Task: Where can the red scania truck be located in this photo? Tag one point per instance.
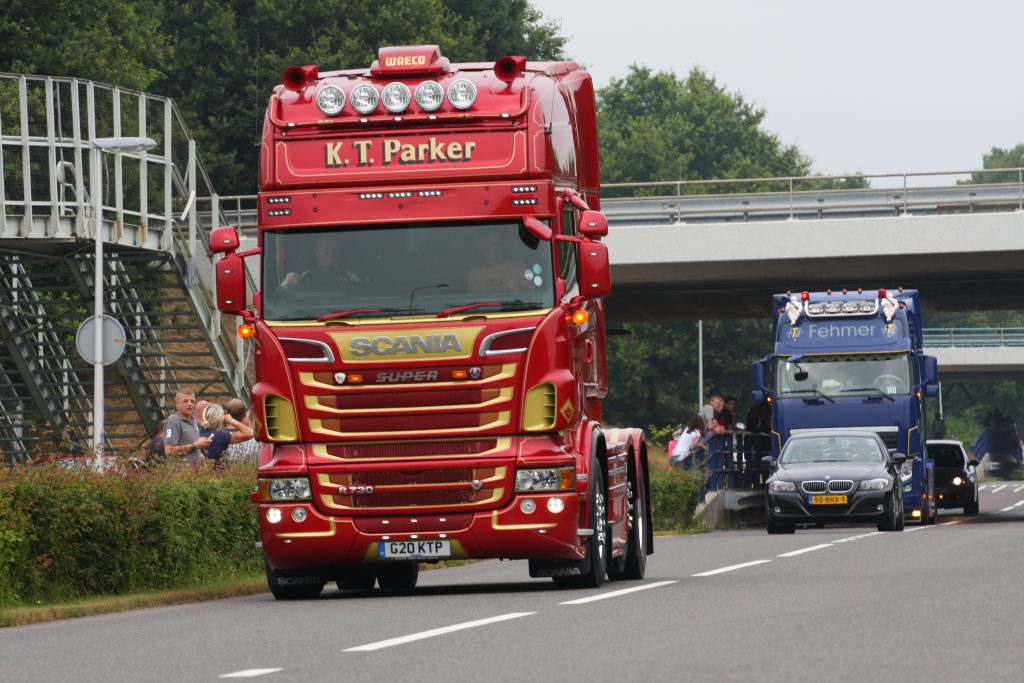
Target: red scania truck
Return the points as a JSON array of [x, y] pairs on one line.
[[429, 335]]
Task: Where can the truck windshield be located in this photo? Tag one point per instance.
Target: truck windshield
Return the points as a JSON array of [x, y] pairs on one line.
[[405, 269], [844, 375]]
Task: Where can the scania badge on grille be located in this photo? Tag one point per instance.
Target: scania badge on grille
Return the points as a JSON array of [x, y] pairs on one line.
[[340, 377]]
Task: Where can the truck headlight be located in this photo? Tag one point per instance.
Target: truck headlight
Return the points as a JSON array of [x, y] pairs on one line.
[[879, 484], [907, 470], [546, 479], [776, 486], [284, 489], [957, 481]]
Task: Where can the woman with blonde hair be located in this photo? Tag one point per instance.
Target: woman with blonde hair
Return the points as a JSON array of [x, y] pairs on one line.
[[216, 425]]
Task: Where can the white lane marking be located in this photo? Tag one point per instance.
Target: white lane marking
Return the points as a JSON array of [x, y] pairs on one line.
[[1018, 503], [1015, 505], [1019, 489], [249, 673], [422, 635], [955, 521], [806, 550], [1007, 508], [844, 540], [731, 568], [999, 488], [615, 594], [982, 487]]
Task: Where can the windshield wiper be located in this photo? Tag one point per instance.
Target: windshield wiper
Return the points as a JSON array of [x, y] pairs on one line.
[[467, 307], [822, 394], [875, 389], [355, 311]]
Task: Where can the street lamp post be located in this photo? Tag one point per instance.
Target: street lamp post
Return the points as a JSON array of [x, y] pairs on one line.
[[117, 145]]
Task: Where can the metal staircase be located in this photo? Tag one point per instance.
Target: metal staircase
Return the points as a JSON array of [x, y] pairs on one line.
[[158, 272]]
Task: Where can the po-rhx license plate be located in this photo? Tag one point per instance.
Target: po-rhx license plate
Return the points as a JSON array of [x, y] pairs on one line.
[[827, 500], [414, 550]]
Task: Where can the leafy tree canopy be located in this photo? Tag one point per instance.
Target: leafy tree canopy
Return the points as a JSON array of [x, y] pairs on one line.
[[219, 59], [1001, 158]]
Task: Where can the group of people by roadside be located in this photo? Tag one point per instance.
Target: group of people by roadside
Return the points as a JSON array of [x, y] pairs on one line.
[[699, 445], [201, 432]]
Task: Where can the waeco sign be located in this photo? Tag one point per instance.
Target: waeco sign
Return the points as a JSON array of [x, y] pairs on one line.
[[363, 159]]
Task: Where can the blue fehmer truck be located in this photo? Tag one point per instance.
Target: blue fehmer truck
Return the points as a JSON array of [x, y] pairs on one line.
[[853, 359]]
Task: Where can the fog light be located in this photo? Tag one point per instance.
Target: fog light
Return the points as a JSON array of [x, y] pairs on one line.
[[880, 507], [299, 514], [915, 514], [777, 509], [527, 506], [555, 505], [274, 515]]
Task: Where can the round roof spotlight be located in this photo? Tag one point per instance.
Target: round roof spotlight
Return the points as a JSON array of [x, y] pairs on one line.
[[462, 94], [364, 98], [429, 95], [396, 97], [331, 100]]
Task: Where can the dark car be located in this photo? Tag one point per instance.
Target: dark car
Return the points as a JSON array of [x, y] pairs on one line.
[[956, 478], [837, 476]]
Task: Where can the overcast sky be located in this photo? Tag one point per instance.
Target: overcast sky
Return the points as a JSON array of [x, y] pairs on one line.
[[872, 86]]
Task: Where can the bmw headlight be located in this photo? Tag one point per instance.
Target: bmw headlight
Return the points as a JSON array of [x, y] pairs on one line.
[[957, 481], [546, 479], [284, 489], [776, 486], [879, 484], [907, 470], [331, 100]]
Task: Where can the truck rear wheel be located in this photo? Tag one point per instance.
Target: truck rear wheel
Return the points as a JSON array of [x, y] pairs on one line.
[[286, 585], [636, 549], [398, 576], [595, 566]]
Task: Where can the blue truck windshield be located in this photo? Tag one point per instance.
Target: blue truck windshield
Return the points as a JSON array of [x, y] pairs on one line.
[[844, 375], [405, 269]]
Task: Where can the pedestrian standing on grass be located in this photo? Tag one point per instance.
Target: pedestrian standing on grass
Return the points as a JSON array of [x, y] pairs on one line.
[[181, 436]]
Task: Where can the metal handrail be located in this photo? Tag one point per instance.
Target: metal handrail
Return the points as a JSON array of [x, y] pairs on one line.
[[944, 337]]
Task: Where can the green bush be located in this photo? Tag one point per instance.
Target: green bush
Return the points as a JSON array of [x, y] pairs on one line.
[[674, 495], [67, 535]]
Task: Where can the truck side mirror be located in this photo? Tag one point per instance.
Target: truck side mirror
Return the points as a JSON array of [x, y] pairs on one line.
[[593, 224], [931, 376], [223, 240], [898, 458], [595, 270], [231, 284]]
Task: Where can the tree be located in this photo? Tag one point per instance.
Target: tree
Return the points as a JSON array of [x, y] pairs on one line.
[[1001, 158], [114, 41], [653, 127]]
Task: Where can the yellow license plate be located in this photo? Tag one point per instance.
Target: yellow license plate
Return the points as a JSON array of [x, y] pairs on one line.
[[828, 500]]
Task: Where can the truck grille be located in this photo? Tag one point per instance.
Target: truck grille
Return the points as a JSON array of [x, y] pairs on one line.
[[458, 487], [404, 450], [378, 409]]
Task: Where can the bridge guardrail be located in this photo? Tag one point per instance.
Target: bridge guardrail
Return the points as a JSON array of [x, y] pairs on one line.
[[976, 337]]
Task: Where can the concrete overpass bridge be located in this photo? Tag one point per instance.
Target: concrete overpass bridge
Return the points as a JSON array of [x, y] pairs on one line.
[[681, 250], [979, 354]]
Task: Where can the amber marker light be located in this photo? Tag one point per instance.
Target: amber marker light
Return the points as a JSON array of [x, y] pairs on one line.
[[580, 317], [355, 378], [460, 374], [246, 331]]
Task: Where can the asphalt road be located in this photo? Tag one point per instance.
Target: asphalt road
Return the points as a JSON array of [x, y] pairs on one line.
[[939, 603]]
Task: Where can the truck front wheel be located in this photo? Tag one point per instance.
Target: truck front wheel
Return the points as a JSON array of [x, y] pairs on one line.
[[594, 567]]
